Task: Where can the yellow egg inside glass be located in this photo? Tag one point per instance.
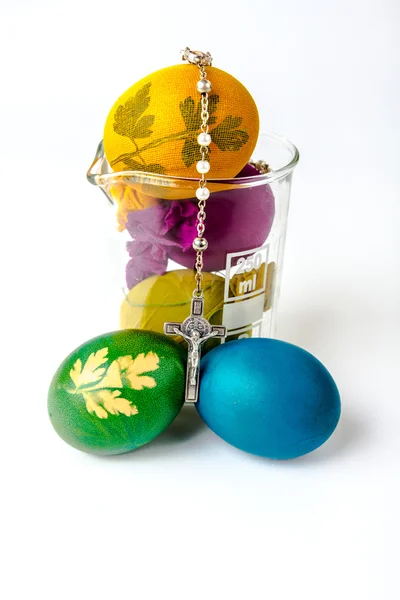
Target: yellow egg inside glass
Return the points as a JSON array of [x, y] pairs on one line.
[[162, 298], [154, 125]]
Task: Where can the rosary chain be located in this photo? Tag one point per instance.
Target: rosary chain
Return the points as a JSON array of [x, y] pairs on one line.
[[201, 215], [200, 244]]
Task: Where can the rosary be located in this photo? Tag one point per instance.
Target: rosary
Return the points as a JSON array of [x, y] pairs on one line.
[[120, 390], [196, 329]]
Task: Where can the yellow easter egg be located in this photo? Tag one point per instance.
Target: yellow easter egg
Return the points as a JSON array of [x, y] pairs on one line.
[[153, 126], [161, 298]]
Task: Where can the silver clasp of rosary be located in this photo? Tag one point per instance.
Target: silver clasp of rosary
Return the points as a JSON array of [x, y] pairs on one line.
[[196, 57]]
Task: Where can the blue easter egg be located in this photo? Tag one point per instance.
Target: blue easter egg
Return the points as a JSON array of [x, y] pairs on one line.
[[268, 397]]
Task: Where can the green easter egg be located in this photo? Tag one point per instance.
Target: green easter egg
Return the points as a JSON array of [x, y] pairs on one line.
[[117, 391]]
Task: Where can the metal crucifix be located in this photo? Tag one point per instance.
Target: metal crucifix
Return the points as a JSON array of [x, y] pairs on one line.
[[195, 330]]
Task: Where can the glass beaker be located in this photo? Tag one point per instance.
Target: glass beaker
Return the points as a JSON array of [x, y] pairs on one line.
[[245, 228]]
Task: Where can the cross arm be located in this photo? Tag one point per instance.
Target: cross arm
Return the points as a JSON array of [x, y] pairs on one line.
[[169, 328], [219, 331]]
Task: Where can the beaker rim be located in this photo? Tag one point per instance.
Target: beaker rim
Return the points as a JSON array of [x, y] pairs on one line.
[[101, 174]]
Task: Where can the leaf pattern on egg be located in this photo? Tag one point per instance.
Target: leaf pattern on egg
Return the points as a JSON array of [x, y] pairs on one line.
[[100, 385]]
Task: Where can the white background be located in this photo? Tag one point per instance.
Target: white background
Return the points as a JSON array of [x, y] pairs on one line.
[[189, 516]]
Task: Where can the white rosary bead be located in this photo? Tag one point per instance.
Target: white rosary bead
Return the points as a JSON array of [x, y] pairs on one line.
[[204, 139], [204, 86], [200, 244], [203, 166], [202, 193]]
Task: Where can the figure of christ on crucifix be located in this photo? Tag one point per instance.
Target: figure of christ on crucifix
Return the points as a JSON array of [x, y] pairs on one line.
[[194, 341], [195, 330]]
